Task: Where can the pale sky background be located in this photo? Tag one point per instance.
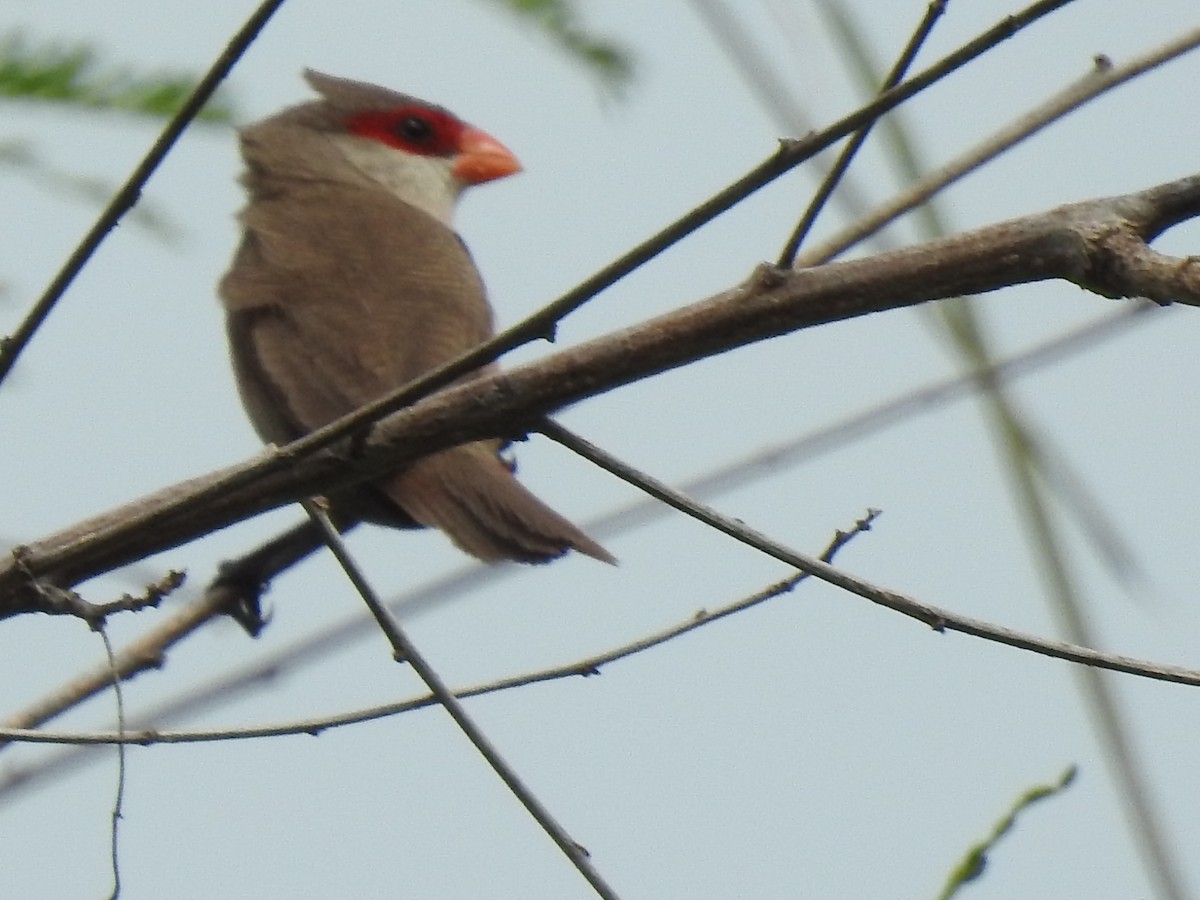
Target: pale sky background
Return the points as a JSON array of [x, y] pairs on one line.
[[817, 746]]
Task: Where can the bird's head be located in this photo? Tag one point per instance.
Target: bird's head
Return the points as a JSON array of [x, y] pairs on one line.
[[418, 151]]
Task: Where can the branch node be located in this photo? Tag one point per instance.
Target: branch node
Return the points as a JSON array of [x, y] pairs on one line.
[[767, 276], [151, 597]]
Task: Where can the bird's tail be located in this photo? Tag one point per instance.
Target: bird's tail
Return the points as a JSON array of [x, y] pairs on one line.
[[470, 494]]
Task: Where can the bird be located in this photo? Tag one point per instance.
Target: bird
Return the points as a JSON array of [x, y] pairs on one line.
[[350, 281]]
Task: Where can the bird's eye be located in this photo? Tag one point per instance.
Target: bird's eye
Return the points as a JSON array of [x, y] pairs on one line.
[[414, 128]]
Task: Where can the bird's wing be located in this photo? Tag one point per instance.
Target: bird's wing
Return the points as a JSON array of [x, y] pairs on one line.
[[332, 304], [339, 295]]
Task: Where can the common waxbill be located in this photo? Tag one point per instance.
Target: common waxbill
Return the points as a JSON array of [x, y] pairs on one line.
[[350, 281]]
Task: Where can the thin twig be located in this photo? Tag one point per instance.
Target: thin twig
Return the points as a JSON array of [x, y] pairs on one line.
[[1101, 245], [130, 191], [405, 651], [585, 667], [1101, 79], [935, 617], [144, 654], [119, 698], [1145, 824], [147, 652], [924, 28], [543, 323], [751, 61], [767, 305], [150, 649]]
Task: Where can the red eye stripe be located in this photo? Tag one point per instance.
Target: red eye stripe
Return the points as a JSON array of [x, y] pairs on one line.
[[415, 129]]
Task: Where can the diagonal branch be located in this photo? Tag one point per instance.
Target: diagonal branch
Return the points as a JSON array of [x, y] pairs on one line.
[[131, 191], [937, 618], [1099, 245], [249, 573], [543, 323]]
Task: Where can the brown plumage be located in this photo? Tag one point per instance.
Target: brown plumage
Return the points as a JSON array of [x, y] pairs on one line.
[[350, 281]]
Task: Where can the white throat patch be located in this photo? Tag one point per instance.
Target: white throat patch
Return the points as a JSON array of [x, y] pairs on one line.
[[425, 182]]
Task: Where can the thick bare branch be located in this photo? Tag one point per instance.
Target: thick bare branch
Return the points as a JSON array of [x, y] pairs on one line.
[[1100, 245]]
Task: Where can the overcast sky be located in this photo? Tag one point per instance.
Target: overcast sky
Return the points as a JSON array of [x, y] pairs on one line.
[[816, 746]]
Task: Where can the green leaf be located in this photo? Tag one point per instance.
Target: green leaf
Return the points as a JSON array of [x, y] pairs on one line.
[[73, 74], [975, 860]]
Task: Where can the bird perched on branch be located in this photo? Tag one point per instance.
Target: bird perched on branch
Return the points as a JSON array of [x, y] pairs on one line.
[[350, 281]]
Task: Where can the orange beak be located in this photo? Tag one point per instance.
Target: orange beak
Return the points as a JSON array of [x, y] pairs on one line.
[[482, 158]]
